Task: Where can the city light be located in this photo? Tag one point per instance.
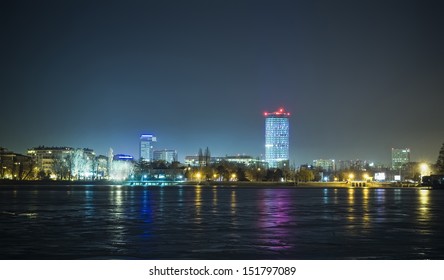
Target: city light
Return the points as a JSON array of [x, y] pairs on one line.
[[365, 177]]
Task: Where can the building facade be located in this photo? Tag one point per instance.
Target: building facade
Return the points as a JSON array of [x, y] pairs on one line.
[[325, 164], [64, 162], [277, 138], [147, 147], [46, 157], [165, 155], [400, 157]]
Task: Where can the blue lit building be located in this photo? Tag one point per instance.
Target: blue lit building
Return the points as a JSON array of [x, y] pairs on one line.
[[147, 147], [277, 138]]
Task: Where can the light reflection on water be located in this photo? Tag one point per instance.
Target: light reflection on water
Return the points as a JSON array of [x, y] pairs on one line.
[[423, 206], [351, 201], [214, 222], [366, 217]]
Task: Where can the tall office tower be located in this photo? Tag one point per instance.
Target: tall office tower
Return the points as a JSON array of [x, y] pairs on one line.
[[147, 147], [277, 138], [400, 157]]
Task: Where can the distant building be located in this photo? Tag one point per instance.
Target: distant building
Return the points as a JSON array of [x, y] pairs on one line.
[[245, 160], [400, 157], [277, 138], [147, 147], [45, 157], [122, 157], [64, 162], [325, 164], [15, 166], [165, 155], [196, 160], [355, 164]]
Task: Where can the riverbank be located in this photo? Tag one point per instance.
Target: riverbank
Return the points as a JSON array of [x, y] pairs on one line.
[[207, 183]]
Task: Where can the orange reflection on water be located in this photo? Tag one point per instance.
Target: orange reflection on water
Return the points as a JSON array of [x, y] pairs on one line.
[[214, 199], [351, 201], [365, 206], [233, 202], [198, 202]]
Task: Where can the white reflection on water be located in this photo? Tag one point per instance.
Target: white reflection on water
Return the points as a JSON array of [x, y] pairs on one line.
[[117, 215], [117, 202], [380, 195], [398, 195], [325, 196], [89, 205]]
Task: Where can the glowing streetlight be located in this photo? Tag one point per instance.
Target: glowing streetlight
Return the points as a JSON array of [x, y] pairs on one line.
[[425, 170], [198, 176], [351, 176], [365, 176], [233, 176]]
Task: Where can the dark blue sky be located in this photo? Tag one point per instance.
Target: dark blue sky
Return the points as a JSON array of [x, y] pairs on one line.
[[359, 77]]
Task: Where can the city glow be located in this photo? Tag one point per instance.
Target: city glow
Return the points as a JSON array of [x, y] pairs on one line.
[[425, 170]]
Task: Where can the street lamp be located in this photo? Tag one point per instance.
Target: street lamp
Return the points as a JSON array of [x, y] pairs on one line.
[[425, 170], [351, 176], [365, 176], [233, 176]]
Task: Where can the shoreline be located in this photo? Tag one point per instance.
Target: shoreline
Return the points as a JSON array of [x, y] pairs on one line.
[[210, 184]]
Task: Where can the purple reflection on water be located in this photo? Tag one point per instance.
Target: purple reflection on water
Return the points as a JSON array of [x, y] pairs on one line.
[[274, 219]]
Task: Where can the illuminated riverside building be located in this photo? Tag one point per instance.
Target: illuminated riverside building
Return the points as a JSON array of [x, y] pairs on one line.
[[400, 157], [44, 157], [277, 138], [147, 147]]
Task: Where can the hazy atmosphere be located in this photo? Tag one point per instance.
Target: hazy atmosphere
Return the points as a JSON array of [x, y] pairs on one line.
[[359, 77]]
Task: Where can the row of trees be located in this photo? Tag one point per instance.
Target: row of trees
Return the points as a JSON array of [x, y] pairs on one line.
[[80, 165]]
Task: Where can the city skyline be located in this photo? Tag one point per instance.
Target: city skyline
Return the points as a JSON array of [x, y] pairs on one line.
[[360, 78]]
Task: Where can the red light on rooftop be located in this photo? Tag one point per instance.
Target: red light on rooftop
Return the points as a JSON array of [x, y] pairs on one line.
[[280, 112]]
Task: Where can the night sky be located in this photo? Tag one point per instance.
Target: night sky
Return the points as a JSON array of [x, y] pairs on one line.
[[359, 77]]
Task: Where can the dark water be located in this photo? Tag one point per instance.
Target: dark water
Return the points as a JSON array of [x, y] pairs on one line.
[[110, 222]]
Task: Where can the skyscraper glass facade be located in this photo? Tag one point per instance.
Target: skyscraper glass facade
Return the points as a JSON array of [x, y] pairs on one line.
[[277, 138], [147, 146], [400, 157]]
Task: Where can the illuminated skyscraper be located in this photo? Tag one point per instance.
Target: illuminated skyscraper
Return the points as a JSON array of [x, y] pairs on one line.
[[147, 147], [400, 157], [277, 138]]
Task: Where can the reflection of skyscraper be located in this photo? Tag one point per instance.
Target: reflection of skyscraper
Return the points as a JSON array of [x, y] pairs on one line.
[[277, 138], [400, 157], [147, 146]]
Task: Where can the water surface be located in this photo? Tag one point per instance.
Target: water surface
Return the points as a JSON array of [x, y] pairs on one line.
[[206, 222]]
